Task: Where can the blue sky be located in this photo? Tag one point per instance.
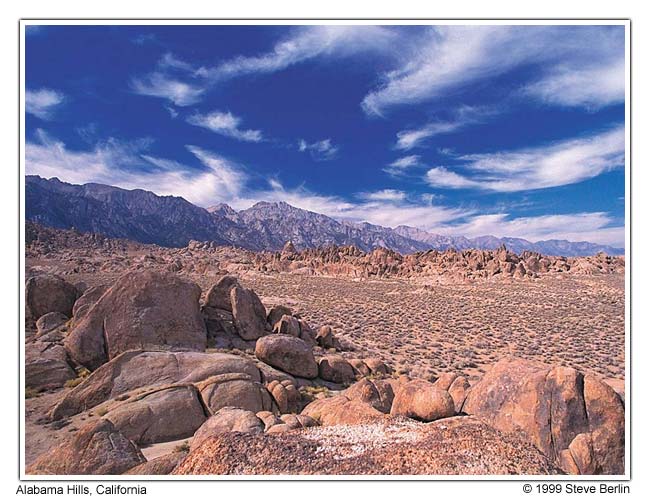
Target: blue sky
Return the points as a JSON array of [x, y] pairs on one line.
[[465, 130]]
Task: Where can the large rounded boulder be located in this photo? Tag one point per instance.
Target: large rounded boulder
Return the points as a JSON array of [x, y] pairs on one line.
[[377, 393], [421, 400], [159, 415], [287, 353], [227, 419], [218, 296], [142, 310], [46, 366], [48, 293], [572, 418], [237, 390], [339, 410], [248, 313]]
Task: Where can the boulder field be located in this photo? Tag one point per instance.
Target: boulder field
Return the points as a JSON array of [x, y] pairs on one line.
[[248, 390]]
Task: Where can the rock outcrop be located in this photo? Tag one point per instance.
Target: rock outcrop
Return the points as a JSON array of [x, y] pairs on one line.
[[377, 393], [287, 353], [459, 445], [159, 415], [46, 366], [238, 390], [137, 369], [227, 419], [423, 401], [45, 294], [340, 410], [142, 310], [552, 407], [98, 448]]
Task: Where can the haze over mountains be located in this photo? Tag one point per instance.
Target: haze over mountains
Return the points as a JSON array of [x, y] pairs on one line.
[[172, 221]]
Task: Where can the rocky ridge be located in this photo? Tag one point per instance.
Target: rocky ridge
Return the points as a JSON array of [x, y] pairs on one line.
[[95, 253]]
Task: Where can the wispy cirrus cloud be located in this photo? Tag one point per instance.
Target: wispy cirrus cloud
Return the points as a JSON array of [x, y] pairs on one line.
[[159, 84], [383, 195], [319, 150], [302, 44], [557, 164], [227, 124], [400, 166], [129, 165], [591, 87], [184, 84], [595, 227], [462, 117], [43, 103], [449, 58]]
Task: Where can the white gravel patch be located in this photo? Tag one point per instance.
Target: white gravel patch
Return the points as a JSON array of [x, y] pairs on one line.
[[349, 441]]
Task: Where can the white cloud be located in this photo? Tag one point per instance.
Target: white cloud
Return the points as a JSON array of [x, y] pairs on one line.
[[125, 165], [595, 227], [387, 208], [159, 84], [319, 150], [383, 195], [406, 161], [400, 166], [559, 164], [463, 117], [448, 58], [590, 87], [172, 112], [184, 84], [43, 102], [441, 177], [225, 124], [305, 43]]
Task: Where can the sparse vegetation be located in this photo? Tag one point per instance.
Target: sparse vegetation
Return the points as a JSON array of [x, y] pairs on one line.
[[73, 382], [310, 393], [183, 447], [30, 392]]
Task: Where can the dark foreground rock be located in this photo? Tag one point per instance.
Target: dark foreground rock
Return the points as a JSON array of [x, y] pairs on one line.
[[135, 369], [459, 445], [159, 466], [46, 294], [551, 407], [142, 310], [98, 448], [46, 366]]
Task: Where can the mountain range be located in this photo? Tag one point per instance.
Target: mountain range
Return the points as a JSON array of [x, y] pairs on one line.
[[173, 221]]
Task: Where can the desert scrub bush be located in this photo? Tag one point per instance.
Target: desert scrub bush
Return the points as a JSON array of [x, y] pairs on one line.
[[82, 374], [30, 392], [73, 382], [311, 393], [183, 447], [102, 411]]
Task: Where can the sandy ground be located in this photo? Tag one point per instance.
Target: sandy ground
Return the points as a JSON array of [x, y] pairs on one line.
[[576, 321]]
